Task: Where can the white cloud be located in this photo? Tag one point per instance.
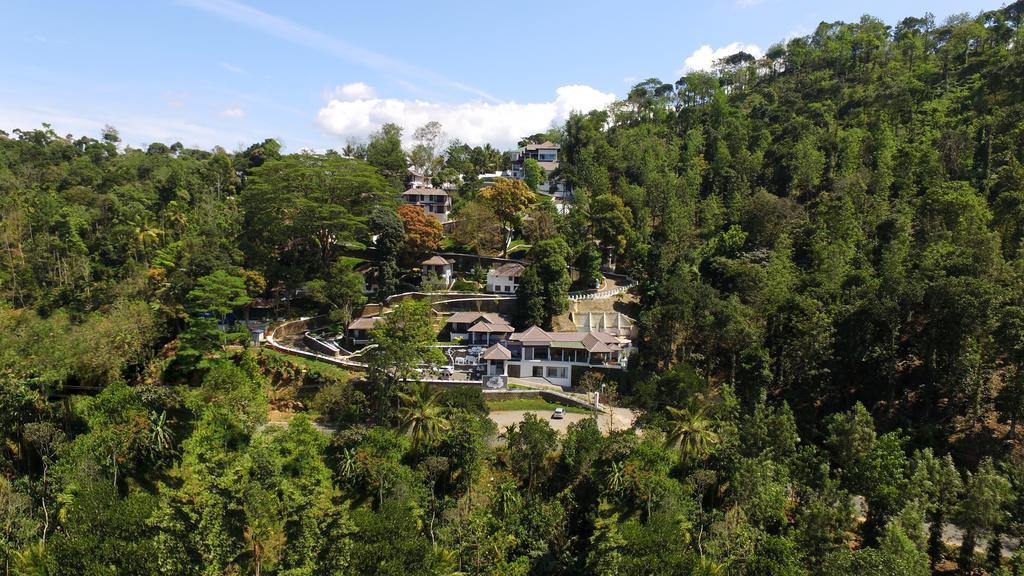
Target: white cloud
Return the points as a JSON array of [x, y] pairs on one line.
[[353, 91], [704, 58], [474, 123], [300, 35], [233, 69], [746, 3], [233, 113]]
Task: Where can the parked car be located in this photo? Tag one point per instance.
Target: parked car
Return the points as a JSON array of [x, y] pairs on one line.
[[558, 414]]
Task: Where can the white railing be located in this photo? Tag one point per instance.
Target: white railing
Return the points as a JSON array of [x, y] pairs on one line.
[[600, 294]]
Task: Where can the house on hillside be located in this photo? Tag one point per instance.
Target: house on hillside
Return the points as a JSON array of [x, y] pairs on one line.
[[480, 328], [546, 154], [443, 267], [504, 279], [433, 201], [536, 353], [358, 331], [369, 274]]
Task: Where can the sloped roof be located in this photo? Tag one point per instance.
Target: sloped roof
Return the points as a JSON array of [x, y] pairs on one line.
[[542, 146], [597, 342], [509, 269], [491, 327], [532, 334], [471, 317], [436, 260], [424, 192], [496, 352], [364, 323]]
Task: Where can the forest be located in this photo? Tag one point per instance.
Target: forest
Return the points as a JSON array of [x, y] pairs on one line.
[[828, 246]]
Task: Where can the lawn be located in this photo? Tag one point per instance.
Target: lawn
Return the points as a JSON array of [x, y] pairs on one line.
[[329, 370], [538, 404]]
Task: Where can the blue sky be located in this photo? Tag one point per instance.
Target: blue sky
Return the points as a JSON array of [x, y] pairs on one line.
[[315, 74]]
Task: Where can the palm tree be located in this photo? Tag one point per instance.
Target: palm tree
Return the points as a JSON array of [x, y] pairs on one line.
[[146, 234], [422, 416], [691, 431]]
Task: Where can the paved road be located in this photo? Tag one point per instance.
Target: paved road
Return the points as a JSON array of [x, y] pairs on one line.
[[621, 419]]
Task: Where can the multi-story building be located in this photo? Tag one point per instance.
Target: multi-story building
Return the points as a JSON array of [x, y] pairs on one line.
[[433, 201], [504, 279], [536, 353], [546, 154]]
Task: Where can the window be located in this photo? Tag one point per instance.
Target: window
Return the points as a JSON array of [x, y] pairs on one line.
[[538, 371], [557, 372]]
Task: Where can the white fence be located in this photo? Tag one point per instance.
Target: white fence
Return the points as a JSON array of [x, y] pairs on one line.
[[600, 294]]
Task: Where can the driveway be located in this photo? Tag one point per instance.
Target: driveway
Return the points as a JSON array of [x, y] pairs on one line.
[[621, 419]]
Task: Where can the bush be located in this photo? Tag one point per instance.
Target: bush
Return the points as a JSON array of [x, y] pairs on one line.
[[340, 404], [461, 285]]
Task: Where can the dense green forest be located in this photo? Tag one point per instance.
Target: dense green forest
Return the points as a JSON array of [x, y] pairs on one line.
[[829, 248]]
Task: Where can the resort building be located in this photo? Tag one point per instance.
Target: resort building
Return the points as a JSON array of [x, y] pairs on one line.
[[505, 278], [536, 353], [443, 267], [478, 328], [433, 201], [358, 331]]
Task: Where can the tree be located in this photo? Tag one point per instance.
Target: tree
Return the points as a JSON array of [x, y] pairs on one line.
[[423, 232], [529, 444], [384, 152], [983, 508], [399, 345], [425, 154], [544, 287], [509, 199], [691, 431], [534, 175], [612, 223], [422, 416], [478, 228], [390, 233], [218, 294], [341, 289], [308, 203]]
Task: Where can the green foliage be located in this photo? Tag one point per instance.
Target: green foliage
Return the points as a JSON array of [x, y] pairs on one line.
[[544, 286]]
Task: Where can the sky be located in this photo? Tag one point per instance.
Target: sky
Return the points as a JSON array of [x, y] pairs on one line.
[[316, 75]]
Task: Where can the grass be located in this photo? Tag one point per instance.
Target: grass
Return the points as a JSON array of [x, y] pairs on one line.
[[536, 404], [329, 370]]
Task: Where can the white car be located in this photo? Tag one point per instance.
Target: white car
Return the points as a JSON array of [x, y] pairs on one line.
[[558, 414]]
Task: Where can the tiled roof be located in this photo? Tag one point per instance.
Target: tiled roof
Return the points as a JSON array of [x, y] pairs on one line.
[[509, 269], [436, 260], [496, 352], [491, 327], [542, 146], [424, 192], [365, 323], [471, 317], [591, 341]]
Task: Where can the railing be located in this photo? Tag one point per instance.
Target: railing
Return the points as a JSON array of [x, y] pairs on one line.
[[600, 294]]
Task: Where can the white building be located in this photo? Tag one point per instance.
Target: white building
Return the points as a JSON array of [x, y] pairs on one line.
[[546, 154], [551, 356], [433, 201], [504, 279], [443, 267]]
